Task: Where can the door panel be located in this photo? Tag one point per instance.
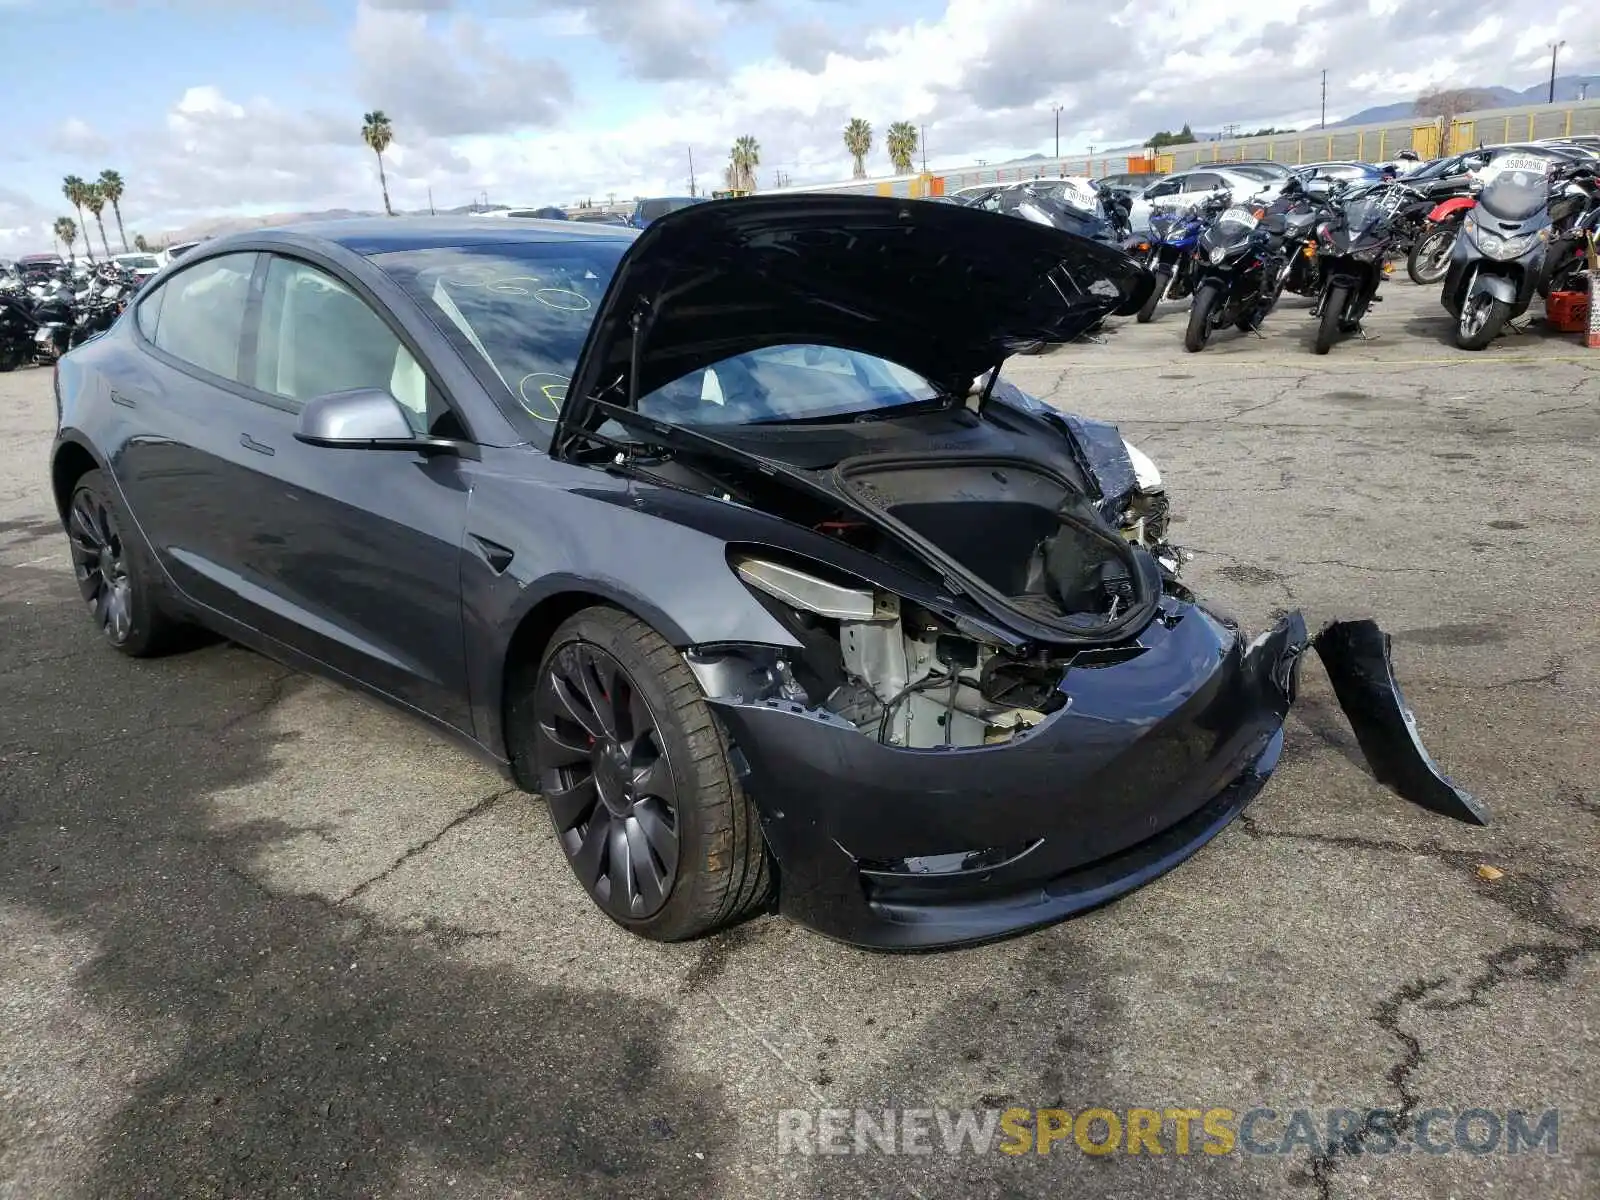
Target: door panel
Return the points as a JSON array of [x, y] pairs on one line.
[[351, 556], [172, 472]]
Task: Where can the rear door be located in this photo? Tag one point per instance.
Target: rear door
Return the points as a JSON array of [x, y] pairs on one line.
[[353, 556], [182, 387]]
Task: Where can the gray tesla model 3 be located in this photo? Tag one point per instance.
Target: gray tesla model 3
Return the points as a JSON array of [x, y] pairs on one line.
[[726, 538]]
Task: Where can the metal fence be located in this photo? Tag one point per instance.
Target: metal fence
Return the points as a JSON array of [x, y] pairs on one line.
[[1381, 142], [1362, 143]]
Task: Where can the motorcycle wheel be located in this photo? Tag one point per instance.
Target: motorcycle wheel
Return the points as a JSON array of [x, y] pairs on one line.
[[1430, 256], [1206, 297], [1328, 324], [1482, 317], [1163, 278]]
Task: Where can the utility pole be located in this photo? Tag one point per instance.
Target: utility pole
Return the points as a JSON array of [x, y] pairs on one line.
[[1324, 123], [1555, 49], [431, 213], [1058, 130], [922, 140], [691, 171]]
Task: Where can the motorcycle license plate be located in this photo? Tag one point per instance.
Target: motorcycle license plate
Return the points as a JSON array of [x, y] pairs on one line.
[[1520, 162], [43, 335], [1237, 216]]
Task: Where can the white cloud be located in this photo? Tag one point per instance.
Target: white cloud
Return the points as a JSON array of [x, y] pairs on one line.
[[473, 114]]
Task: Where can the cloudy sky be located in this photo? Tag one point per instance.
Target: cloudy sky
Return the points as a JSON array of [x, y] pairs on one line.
[[253, 106]]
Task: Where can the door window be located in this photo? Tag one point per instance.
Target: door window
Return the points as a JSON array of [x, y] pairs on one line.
[[317, 337], [1168, 188], [198, 314], [1202, 182]]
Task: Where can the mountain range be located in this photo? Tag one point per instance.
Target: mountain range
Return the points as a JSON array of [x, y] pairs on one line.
[[1568, 87]]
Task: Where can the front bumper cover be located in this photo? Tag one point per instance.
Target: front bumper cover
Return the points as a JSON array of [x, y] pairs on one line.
[[1148, 760]]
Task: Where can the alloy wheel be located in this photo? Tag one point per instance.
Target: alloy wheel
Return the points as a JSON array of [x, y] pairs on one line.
[[608, 780], [99, 563], [1474, 313]]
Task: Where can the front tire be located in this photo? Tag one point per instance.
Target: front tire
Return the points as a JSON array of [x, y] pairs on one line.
[[1331, 319], [118, 579], [1482, 317], [635, 771], [1206, 297], [1429, 259], [1163, 279]]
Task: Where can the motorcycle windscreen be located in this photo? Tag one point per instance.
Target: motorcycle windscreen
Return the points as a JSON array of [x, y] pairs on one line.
[[1518, 190]]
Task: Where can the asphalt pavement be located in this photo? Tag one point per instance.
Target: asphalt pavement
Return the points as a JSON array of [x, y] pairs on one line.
[[260, 936]]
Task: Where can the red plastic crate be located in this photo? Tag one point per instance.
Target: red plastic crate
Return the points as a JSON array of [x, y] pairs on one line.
[[1568, 312]]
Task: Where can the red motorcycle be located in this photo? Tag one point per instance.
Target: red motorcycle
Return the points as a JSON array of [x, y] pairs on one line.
[[1430, 252]]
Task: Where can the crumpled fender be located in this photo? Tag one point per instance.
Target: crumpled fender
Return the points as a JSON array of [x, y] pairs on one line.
[[1356, 655]]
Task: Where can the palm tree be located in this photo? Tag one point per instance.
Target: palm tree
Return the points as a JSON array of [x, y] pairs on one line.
[[140, 243], [77, 191], [95, 201], [858, 140], [377, 133], [742, 163], [902, 143], [111, 188], [67, 230]]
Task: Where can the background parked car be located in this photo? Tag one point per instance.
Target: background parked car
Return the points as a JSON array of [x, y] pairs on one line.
[[656, 207], [1188, 187]]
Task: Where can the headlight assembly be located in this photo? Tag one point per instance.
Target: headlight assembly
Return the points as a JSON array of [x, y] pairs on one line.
[[1219, 255], [1506, 248], [799, 589]]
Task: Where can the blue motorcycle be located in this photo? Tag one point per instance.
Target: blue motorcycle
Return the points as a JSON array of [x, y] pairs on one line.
[[1173, 238]]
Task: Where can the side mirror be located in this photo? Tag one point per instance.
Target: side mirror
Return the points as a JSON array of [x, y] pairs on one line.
[[363, 419]]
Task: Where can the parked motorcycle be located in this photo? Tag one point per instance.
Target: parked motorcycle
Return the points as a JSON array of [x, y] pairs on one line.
[[1171, 255], [1572, 210], [1429, 258], [1302, 212], [1498, 261], [1353, 243], [16, 328], [1238, 274]]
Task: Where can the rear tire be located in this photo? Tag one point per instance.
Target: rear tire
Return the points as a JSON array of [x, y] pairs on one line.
[[1429, 259], [1328, 324], [1206, 298], [1482, 317], [1163, 279], [636, 775]]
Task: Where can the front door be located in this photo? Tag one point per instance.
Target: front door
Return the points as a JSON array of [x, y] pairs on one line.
[[356, 553]]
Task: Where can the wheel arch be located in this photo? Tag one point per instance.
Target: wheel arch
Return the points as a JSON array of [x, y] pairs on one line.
[[71, 461], [532, 633]]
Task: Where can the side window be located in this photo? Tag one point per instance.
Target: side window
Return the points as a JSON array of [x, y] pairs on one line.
[[148, 314], [200, 314], [1202, 182], [317, 336], [1168, 188]]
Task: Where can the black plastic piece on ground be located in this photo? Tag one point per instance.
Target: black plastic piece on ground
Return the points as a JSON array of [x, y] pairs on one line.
[[1356, 655]]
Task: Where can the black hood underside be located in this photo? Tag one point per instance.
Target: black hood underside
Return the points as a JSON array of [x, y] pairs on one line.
[[948, 292]]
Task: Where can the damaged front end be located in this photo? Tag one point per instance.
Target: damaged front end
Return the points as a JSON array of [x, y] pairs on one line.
[[932, 790]]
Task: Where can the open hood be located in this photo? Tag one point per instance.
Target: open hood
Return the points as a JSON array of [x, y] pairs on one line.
[[946, 291]]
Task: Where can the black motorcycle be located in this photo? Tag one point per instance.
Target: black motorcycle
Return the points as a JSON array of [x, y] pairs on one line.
[[1353, 243], [1574, 217], [17, 328], [1302, 212], [1499, 260], [1238, 273]]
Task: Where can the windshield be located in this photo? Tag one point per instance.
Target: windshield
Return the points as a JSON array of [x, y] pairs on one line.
[[785, 384], [1518, 188], [138, 262], [518, 312]]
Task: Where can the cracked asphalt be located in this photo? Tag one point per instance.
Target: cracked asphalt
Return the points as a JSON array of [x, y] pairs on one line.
[[261, 937]]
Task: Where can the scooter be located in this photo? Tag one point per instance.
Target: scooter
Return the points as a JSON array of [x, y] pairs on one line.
[[1499, 260]]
